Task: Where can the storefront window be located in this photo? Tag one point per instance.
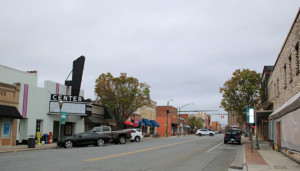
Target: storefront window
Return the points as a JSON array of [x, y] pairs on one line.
[[6, 130], [38, 125], [68, 129]]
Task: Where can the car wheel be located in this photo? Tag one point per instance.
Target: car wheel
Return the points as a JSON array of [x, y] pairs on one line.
[[137, 139], [100, 142], [211, 134], [122, 140], [239, 142], [200, 134], [68, 144], [225, 142]]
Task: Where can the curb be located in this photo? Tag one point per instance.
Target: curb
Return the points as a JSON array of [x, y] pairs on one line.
[[9, 150], [245, 167], [239, 160]]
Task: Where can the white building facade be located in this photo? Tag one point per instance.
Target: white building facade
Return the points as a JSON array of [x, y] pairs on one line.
[[40, 112]]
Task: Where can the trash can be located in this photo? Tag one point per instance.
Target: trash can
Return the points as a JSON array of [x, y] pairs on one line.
[[31, 141], [46, 138]]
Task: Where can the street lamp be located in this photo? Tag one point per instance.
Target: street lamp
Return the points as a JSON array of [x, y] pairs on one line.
[[179, 116], [255, 98], [59, 127], [167, 116]]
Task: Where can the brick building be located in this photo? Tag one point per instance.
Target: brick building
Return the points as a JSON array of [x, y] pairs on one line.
[[215, 126], [232, 119], [9, 114], [161, 118], [284, 95], [207, 121]]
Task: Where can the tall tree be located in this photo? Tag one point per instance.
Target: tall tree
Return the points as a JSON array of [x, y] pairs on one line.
[[195, 121], [121, 95], [238, 92]]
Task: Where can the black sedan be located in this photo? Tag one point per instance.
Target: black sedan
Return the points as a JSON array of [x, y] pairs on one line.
[[87, 138], [232, 136]]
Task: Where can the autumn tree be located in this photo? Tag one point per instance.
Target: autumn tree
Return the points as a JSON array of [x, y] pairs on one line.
[[194, 121], [238, 92], [121, 95]]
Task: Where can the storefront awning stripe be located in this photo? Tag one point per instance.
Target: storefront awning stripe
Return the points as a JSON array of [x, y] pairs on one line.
[[128, 123], [154, 123], [147, 122], [10, 112]]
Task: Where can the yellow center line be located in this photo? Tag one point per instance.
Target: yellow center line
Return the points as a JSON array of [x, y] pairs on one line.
[[137, 151]]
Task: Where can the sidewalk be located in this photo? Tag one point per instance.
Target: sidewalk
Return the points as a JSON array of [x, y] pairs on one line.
[[266, 158], [6, 149]]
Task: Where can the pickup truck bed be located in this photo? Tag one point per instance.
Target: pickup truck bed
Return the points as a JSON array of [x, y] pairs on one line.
[[119, 136]]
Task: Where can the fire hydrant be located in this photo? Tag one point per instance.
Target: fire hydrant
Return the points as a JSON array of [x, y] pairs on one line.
[[38, 136]]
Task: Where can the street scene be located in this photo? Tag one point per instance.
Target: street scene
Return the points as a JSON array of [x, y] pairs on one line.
[[174, 153], [150, 85]]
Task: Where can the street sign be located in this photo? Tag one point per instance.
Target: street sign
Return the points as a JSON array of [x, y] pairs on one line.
[[63, 118], [250, 115]]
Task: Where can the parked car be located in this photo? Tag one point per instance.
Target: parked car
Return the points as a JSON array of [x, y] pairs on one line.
[[119, 136], [87, 138], [136, 134], [232, 136], [201, 132]]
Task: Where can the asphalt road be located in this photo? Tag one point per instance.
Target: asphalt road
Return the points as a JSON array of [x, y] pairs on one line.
[[174, 153]]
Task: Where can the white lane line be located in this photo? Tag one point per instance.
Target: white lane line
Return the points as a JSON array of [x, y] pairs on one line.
[[214, 147]]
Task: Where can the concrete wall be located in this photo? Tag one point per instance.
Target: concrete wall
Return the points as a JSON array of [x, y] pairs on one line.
[[11, 76]]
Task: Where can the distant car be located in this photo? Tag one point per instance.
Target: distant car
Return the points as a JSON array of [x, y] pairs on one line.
[[87, 138], [232, 136], [216, 132], [136, 135], [201, 132]]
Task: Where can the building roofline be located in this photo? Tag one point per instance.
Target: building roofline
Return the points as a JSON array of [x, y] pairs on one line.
[[298, 13]]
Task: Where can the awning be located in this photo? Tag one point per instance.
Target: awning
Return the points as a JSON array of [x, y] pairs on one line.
[[10, 112], [147, 122], [154, 123], [97, 120], [292, 104], [141, 123], [128, 123]]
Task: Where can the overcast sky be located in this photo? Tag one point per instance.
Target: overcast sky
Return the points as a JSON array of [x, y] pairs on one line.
[[185, 50]]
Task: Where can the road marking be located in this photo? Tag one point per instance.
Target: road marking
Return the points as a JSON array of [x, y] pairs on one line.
[[137, 151], [214, 147]]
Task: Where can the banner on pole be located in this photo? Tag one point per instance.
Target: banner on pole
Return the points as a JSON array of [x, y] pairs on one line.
[[250, 115], [63, 118]]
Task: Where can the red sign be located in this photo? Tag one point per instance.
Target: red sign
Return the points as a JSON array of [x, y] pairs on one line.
[[136, 123]]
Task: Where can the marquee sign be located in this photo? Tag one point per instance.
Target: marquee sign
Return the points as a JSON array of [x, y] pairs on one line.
[[68, 98]]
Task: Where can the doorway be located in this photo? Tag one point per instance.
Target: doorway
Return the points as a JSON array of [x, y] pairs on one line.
[[278, 136]]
